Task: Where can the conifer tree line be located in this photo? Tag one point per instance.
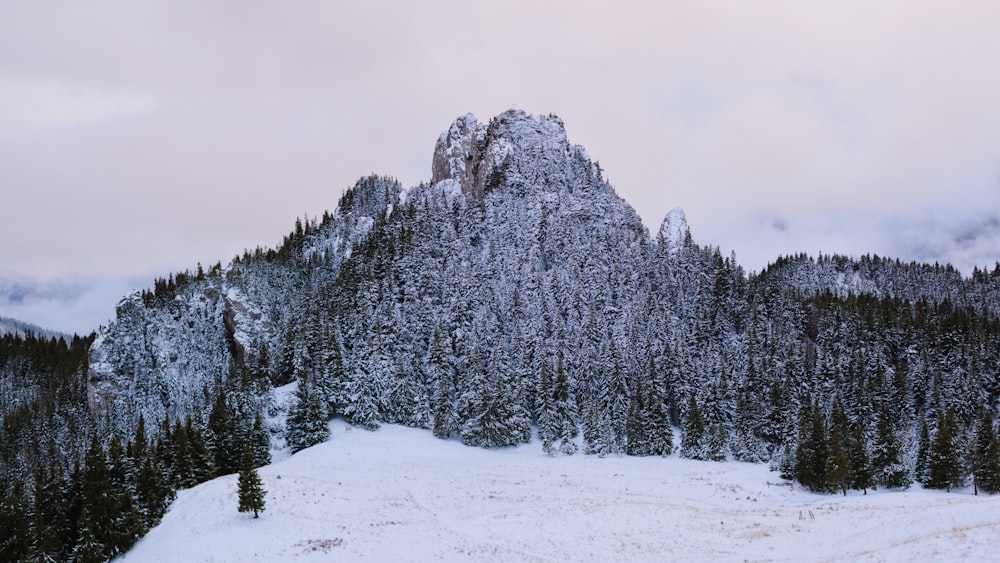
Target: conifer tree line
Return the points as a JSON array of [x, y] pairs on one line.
[[65, 494]]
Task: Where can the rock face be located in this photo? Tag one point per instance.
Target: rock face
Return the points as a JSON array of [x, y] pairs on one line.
[[457, 149], [515, 149], [674, 229]]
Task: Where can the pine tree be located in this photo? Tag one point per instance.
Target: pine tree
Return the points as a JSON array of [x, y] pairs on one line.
[[52, 529], [660, 433], [444, 406], [202, 460], [745, 444], [251, 490], [221, 436], [716, 443], [637, 425], [565, 410], [613, 400], [307, 423], [15, 541], [989, 473], [922, 469], [812, 450], [96, 517], [152, 494], [693, 440], [260, 441], [888, 468], [837, 460], [944, 469], [860, 478], [548, 423], [125, 526]]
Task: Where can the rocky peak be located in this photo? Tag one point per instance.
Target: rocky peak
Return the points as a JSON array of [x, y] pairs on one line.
[[516, 148], [674, 229]]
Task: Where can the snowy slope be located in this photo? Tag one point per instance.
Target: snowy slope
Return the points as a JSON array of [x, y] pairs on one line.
[[398, 494]]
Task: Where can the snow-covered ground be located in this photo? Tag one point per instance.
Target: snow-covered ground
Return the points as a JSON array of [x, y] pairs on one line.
[[399, 494]]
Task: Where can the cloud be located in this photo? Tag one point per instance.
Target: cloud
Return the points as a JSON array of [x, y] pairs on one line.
[[78, 305]]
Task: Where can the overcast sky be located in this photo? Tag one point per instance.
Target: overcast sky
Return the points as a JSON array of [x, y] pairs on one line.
[[140, 138]]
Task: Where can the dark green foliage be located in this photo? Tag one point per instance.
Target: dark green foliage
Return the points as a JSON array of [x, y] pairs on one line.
[[222, 436], [260, 441], [16, 539], [860, 478], [498, 423], [251, 490], [944, 466], [838, 462], [922, 469], [693, 440], [887, 463], [812, 451], [986, 457], [988, 478], [54, 522], [152, 494], [308, 420]]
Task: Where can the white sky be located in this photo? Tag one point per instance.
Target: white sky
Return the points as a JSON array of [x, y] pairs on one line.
[[139, 138]]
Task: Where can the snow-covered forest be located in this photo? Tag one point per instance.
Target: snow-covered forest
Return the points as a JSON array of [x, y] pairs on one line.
[[514, 295]]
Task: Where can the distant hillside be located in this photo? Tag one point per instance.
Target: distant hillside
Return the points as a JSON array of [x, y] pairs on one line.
[[20, 328]]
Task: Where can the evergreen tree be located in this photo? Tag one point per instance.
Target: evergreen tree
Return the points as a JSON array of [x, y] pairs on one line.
[[222, 436], [860, 478], [52, 529], [660, 433], [152, 494], [745, 444], [944, 467], [693, 441], [125, 526], [565, 410], [89, 547], [96, 536], [183, 470], [548, 423], [202, 460], [16, 539], [716, 443], [251, 490], [888, 468], [307, 419], [260, 441], [444, 406], [838, 460], [637, 425], [812, 450], [613, 401], [989, 473], [922, 469]]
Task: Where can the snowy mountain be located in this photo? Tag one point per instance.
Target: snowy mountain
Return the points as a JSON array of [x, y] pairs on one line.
[[513, 299], [518, 288]]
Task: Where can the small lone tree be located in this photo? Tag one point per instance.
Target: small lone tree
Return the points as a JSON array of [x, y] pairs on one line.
[[251, 489]]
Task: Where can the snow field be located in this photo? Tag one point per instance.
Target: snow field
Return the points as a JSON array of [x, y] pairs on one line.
[[399, 494]]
